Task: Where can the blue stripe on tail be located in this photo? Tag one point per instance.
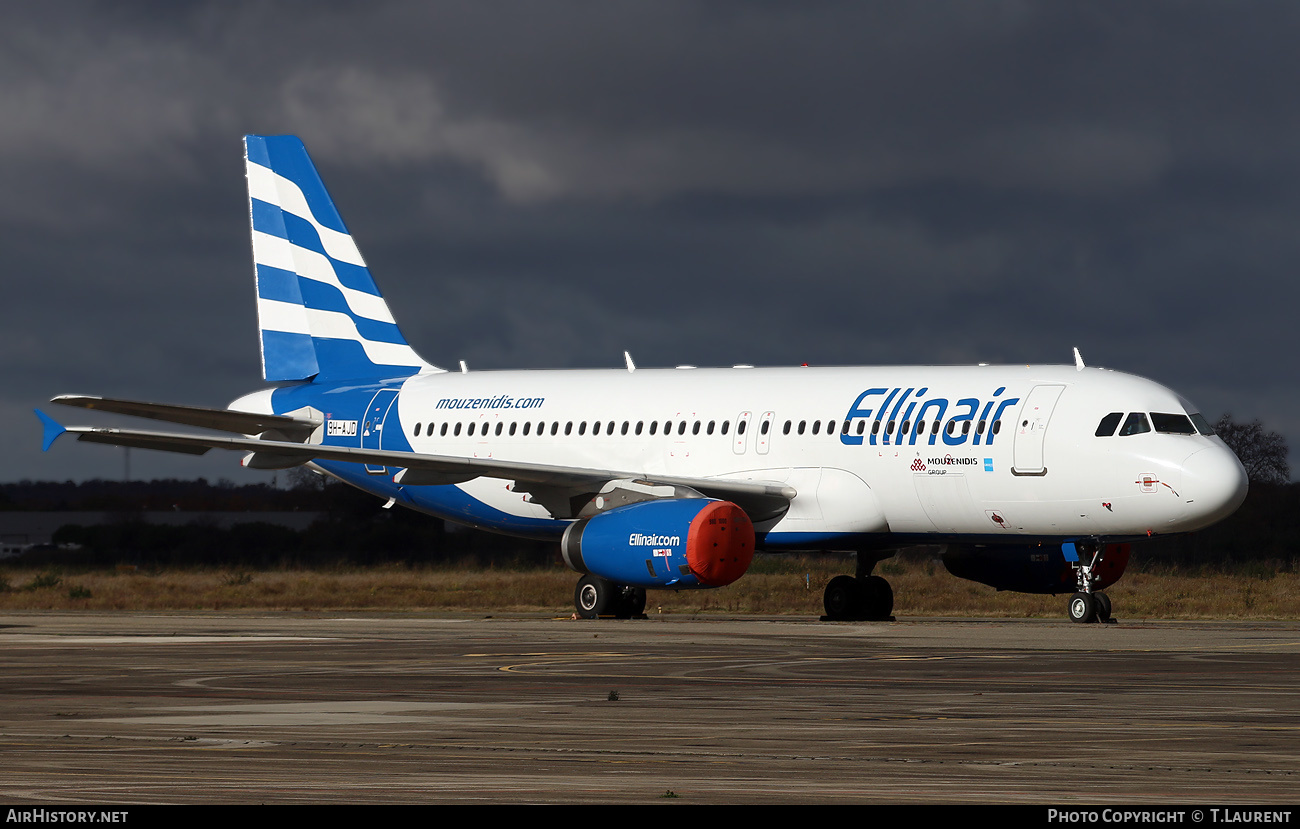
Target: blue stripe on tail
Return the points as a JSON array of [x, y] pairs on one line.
[[320, 313]]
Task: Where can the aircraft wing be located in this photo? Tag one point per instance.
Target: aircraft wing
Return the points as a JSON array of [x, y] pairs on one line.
[[548, 483]]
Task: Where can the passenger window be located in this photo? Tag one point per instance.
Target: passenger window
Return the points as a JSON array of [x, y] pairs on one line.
[[1135, 424], [443, 431], [499, 425], [416, 433], [802, 425], [1109, 424], [726, 424], [786, 429], [430, 432], [740, 427], [654, 426], [862, 426], [817, 427], [640, 424], [457, 430]]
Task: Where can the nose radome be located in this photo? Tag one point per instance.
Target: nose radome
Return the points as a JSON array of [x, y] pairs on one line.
[[1214, 485]]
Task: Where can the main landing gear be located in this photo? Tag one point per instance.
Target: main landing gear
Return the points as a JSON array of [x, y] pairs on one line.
[[1085, 605], [859, 598], [595, 597]]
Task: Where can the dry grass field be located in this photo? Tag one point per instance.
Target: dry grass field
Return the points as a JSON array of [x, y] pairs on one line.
[[774, 586]]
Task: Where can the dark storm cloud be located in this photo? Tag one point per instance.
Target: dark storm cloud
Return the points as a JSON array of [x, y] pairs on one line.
[[709, 183]]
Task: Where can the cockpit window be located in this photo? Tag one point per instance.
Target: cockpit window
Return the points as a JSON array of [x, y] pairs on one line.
[[1135, 424], [1202, 425], [1172, 424], [1109, 424]]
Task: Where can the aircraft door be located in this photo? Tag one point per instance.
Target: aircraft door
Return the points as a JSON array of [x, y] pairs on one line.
[[1031, 429], [372, 430]]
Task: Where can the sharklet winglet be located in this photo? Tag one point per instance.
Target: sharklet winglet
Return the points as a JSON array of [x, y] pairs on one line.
[[52, 429]]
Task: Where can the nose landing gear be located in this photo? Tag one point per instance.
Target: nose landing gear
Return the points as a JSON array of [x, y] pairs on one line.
[[1086, 605]]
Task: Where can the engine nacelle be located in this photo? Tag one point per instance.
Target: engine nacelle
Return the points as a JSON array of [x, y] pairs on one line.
[[677, 543], [1030, 569]]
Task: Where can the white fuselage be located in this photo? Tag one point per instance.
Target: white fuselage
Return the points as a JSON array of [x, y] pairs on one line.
[[1029, 464]]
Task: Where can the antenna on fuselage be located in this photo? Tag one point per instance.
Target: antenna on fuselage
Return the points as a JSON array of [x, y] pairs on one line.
[[631, 366], [1078, 360], [464, 369]]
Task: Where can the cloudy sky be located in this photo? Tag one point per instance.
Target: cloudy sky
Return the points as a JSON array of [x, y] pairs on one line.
[[541, 185]]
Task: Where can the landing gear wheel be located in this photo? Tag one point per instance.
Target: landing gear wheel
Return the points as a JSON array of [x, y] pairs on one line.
[[841, 598], [594, 597], [1083, 608], [1103, 607], [848, 598], [877, 599], [631, 602]]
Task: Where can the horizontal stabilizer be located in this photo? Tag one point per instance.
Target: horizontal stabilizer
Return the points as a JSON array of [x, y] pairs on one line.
[[223, 420], [115, 437]]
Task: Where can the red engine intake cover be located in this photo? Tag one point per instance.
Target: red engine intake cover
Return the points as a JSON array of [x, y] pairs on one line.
[[720, 544]]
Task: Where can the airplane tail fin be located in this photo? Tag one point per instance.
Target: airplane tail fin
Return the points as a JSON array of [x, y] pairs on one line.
[[320, 313]]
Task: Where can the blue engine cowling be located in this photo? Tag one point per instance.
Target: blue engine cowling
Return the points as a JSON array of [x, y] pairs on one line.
[[1029, 568], [677, 543]]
